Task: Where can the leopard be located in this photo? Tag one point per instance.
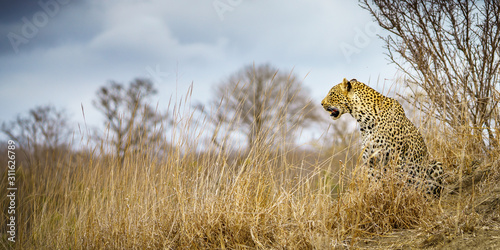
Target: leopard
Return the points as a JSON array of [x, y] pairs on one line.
[[388, 136]]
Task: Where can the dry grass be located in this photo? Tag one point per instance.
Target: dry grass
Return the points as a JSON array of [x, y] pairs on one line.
[[227, 199]]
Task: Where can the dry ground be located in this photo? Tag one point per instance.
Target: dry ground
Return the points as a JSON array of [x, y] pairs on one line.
[[477, 226]]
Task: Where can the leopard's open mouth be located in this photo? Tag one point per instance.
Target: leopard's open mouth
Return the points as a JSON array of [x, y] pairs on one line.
[[334, 112]]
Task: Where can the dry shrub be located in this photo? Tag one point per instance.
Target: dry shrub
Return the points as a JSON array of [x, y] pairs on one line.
[[373, 208]]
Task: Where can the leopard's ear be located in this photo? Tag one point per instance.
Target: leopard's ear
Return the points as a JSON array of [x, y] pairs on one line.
[[346, 86]]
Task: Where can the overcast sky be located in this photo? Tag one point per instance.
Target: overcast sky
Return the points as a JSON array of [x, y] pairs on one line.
[[60, 51]]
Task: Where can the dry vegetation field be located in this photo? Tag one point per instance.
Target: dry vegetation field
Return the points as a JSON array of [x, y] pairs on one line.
[[268, 196]]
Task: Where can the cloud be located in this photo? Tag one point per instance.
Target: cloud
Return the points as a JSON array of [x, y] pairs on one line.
[[144, 37]]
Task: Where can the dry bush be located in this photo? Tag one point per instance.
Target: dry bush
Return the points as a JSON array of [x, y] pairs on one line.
[[41, 135], [449, 52]]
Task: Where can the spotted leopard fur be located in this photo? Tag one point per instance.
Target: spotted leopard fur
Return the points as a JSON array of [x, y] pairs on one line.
[[388, 136]]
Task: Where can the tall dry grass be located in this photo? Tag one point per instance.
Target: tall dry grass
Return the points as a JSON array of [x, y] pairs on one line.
[[197, 198]]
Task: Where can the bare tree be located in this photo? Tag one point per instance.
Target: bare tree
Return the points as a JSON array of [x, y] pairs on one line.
[[45, 128], [449, 51], [263, 104], [131, 119]]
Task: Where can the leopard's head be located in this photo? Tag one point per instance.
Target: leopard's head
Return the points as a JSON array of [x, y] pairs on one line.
[[337, 101]]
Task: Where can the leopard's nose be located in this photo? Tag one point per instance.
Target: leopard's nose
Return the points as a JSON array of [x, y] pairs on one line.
[[330, 109]]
